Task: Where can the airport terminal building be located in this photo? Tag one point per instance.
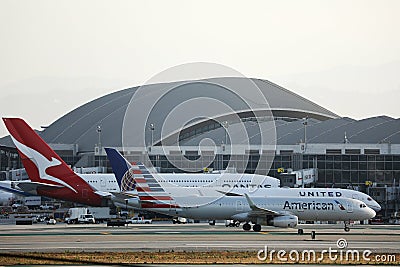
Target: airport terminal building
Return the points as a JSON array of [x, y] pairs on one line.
[[336, 151]]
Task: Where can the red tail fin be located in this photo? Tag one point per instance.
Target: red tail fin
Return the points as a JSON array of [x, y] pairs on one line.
[[51, 175]]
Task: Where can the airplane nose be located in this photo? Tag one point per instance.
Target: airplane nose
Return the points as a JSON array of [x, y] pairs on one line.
[[377, 207], [371, 213]]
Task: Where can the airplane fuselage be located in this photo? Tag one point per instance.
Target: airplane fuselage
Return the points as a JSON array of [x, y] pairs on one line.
[[313, 209]]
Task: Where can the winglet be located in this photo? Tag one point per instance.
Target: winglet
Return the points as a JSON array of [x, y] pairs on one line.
[[251, 203]]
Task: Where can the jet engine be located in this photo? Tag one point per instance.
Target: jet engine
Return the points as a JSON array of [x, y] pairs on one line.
[[285, 221]]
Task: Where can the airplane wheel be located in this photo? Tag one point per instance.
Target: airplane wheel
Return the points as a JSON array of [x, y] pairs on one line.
[[300, 231], [246, 227], [256, 228], [347, 229], [312, 235]]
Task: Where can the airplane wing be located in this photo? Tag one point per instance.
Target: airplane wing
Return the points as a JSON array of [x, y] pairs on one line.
[[257, 211], [229, 194]]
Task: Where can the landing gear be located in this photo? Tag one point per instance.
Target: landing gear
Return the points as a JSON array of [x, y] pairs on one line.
[[346, 226], [300, 231], [256, 228], [246, 227], [312, 235]]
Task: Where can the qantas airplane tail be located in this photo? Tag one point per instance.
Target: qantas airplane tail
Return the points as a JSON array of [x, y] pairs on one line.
[[49, 174], [137, 176]]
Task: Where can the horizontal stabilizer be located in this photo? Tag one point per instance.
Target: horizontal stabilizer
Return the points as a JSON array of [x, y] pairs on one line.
[[103, 194], [32, 187], [15, 191], [124, 195]]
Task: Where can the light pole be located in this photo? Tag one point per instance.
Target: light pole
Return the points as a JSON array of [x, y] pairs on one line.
[[99, 142], [305, 133], [225, 124], [152, 133]]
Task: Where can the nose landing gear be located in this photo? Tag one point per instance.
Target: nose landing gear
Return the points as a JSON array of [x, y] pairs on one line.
[[346, 226]]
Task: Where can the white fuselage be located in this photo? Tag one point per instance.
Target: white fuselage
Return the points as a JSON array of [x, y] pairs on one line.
[[227, 182], [6, 198], [313, 209], [322, 192], [104, 182]]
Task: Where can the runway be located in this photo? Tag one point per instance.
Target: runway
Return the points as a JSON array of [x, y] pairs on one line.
[[192, 237]]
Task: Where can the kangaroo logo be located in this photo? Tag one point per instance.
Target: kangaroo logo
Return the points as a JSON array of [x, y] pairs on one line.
[[41, 162]]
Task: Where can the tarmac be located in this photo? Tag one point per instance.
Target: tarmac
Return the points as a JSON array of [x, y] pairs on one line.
[[194, 237]]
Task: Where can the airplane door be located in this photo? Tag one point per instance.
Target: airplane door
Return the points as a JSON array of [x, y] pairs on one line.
[[349, 207], [355, 196], [239, 205], [103, 182]]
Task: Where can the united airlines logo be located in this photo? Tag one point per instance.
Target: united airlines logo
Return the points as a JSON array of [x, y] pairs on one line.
[[128, 182]]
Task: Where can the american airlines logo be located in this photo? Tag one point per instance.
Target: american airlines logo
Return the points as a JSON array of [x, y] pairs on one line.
[[308, 205], [320, 194]]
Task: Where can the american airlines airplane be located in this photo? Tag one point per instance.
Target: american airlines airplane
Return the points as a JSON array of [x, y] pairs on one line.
[[275, 211], [239, 184], [279, 207]]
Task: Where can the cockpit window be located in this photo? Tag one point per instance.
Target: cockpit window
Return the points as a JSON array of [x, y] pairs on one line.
[[363, 206]]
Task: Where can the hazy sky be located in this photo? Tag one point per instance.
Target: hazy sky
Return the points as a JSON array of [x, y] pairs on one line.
[[58, 55]]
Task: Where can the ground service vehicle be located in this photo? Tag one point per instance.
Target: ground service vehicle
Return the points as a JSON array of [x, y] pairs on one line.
[[86, 218], [100, 214], [139, 220]]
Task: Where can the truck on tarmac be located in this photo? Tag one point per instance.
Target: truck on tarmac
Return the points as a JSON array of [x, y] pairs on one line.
[[179, 220], [81, 215], [86, 218], [139, 220]]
